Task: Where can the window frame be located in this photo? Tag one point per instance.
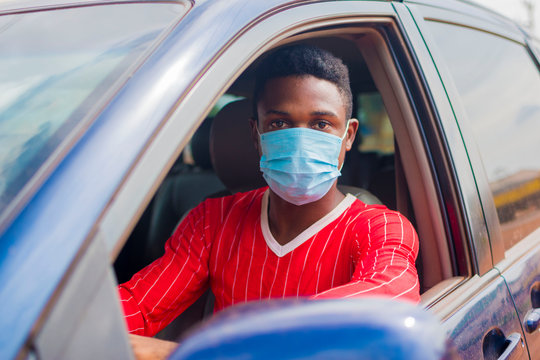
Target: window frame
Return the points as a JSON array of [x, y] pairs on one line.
[[457, 290], [132, 197]]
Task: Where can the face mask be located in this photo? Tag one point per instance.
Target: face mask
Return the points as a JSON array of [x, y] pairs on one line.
[[300, 164]]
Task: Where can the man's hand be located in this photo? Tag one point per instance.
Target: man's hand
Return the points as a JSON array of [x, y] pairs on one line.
[[147, 348]]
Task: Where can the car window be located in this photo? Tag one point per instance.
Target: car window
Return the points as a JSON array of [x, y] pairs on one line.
[[375, 127], [56, 65], [499, 86], [369, 166]]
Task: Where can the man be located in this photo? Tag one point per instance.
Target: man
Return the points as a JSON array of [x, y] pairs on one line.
[[299, 237]]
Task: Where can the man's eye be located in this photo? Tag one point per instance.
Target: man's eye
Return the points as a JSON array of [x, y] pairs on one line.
[[321, 125], [277, 124]]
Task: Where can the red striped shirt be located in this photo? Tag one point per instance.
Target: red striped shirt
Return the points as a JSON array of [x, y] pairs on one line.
[[225, 243]]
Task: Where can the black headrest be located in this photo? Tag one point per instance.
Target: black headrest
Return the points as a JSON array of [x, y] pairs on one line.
[[200, 145], [233, 153]]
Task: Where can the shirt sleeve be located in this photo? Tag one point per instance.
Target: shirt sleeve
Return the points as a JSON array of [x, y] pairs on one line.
[[385, 252], [160, 292]]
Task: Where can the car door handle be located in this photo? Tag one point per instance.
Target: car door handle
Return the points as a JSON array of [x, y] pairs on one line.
[[514, 349], [532, 320]]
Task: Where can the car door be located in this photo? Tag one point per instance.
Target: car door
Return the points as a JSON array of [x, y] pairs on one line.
[[468, 293], [462, 40], [184, 80]]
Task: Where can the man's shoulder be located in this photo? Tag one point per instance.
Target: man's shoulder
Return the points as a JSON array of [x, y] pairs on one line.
[[363, 212], [382, 223], [360, 207], [240, 200]]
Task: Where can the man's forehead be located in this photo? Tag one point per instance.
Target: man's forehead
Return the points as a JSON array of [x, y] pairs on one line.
[[318, 96]]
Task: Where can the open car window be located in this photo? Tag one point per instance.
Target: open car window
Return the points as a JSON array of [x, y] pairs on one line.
[[373, 165]]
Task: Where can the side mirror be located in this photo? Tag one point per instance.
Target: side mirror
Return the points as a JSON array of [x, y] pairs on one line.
[[336, 329]]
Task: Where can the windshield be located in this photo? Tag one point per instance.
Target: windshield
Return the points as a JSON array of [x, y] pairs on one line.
[[56, 66]]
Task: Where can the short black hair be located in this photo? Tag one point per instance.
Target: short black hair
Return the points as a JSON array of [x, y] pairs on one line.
[[304, 60]]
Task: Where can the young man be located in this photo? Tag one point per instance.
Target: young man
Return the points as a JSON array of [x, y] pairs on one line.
[[299, 237]]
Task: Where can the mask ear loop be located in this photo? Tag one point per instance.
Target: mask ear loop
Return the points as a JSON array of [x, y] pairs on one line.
[[258, 133], [346, 130], [343, 138]]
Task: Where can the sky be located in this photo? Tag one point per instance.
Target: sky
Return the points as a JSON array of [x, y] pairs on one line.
[[515, 10]]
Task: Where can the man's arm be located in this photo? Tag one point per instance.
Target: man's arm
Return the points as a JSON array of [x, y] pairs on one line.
[[384, 258], [164, 289], [148, 348]]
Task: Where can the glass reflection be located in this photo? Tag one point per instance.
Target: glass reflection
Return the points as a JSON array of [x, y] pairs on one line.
[[499, 86], [56, 65]]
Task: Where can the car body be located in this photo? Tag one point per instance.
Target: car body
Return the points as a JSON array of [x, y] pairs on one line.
[[124, 86]]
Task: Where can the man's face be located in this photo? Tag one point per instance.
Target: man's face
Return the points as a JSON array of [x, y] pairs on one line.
[[308, 102]]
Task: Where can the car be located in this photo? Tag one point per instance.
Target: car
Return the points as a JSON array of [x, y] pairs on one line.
[[117, 117]]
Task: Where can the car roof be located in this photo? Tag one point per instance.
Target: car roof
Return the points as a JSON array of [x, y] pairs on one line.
[[464, 6], [29, 5], [9, 6]]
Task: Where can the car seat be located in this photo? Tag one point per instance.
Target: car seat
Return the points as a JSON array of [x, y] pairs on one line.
[[184, 188]]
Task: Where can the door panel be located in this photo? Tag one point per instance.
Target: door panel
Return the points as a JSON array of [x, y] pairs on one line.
[[85, 319], [486, 320], [521, 269]]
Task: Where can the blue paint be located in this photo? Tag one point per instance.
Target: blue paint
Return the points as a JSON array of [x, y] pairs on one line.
[[332, 329]]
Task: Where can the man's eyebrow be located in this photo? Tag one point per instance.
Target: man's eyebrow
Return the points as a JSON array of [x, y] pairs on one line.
[[277, 112], [323, 113], [313, 113]]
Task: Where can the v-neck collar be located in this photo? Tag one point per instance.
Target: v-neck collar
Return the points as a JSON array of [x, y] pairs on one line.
[[282, 250]]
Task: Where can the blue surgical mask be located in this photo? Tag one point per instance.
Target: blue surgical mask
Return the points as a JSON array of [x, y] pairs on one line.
[[300, 164]]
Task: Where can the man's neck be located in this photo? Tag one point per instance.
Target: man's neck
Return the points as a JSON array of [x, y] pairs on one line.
[[287, 220]]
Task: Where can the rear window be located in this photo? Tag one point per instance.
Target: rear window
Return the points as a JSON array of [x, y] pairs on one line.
[[56, 66], [499, 84], [376, 130]]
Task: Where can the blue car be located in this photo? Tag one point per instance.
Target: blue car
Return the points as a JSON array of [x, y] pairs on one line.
[[118, 117]]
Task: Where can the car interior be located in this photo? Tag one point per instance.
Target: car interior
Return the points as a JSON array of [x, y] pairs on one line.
[[221, 159]]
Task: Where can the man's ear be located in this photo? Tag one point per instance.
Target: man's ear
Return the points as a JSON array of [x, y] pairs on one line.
[[351, 133], [255, 134]]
